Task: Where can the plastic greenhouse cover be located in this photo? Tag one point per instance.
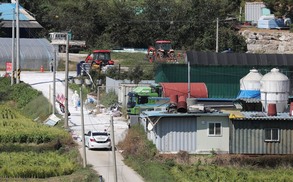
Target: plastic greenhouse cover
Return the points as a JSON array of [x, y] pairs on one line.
[[33, 52]]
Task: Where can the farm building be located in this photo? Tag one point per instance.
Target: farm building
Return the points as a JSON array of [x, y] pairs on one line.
[[221, 72], [258, 133], [197, 133], [28, 26], [254, 126]]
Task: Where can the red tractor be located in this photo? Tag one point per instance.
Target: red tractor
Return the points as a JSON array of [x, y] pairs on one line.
[[162, 52], [99, 58]]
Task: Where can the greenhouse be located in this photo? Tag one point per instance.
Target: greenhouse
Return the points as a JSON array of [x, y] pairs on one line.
[[33, 53]]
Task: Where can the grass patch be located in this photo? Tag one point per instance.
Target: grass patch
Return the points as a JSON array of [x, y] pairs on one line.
[[129, 59]]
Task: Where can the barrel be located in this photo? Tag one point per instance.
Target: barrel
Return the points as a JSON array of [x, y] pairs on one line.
[[272, 110], [173, 99], [182, 105]]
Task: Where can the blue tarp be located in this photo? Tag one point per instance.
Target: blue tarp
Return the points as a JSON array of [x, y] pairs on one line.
[[249, 94]]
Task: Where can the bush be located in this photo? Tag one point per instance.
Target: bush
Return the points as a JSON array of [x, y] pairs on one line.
[[109, 98]]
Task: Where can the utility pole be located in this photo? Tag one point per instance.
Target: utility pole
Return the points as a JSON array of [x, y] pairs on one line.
[[66, 82], [13, 47], [54, 82], [188, 70], [217, 36], [113, 148], [82, 128], [17, 43]]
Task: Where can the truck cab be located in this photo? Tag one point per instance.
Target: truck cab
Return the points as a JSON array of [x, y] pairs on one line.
[[139, 97], [59, 41]]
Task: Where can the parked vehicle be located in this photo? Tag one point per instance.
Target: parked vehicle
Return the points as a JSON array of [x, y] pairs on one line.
[[157, 96], [59, 40], [97, 140], [99, 59], [161, 52]]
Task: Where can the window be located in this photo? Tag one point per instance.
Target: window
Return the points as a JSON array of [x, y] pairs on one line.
[[215, 129], [271, 134]]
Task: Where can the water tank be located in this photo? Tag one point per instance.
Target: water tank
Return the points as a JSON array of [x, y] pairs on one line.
[[274, 89], [251, 81]]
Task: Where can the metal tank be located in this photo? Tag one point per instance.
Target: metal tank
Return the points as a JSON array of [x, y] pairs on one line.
[[251, 81], [274, 89], [250, 85], [197, 89]]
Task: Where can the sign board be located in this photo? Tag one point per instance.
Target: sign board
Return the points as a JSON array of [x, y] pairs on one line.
[[8, 67]]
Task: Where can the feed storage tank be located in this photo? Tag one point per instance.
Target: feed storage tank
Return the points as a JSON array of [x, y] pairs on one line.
[[250, 85], [274, 90]]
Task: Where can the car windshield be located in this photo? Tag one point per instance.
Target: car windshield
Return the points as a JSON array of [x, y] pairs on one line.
[[164, 46], [100, 134]]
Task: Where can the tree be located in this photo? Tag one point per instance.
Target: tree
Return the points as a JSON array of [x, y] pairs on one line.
[[190, 24], [280, 7], [135, 74]]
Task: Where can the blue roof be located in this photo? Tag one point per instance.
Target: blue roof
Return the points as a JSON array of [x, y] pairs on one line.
[[166, 114], [7, 12]]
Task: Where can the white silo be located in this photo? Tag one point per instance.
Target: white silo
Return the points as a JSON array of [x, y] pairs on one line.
[[274, 90], [250, 85], [251, 81]]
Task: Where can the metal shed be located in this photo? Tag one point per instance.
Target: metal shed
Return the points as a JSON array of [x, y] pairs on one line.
[[257, 133], [254, 10], [34, 53], [173, 132]]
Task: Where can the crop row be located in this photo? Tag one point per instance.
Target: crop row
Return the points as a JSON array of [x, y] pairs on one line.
[[20, 129], [35, 165]]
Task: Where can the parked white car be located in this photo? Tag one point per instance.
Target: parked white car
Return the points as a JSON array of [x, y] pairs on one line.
[[98, 140]]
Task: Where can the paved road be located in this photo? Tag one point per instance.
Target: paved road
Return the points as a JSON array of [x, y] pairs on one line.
[[101, 160]]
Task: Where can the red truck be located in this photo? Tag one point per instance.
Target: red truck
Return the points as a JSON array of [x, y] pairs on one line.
[[99, 58]]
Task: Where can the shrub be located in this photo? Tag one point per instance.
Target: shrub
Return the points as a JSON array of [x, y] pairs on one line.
[[109, 98]]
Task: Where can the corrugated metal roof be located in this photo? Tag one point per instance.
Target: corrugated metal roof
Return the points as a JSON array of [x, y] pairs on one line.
[[166, 114], [7, 12], [239, 59], [22, 24], [250, 100], [264, 116], [26, 20]]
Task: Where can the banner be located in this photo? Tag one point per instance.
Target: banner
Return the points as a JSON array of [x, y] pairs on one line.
[[8, 67]]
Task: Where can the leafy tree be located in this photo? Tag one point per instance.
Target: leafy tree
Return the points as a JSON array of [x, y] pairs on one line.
[[190, 24], [280, 7], [135, 74]]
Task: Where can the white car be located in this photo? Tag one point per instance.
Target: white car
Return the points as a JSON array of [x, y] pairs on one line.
[[98, 140]]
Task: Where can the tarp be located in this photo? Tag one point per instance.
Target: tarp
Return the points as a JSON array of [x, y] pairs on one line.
[[249, 94]]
